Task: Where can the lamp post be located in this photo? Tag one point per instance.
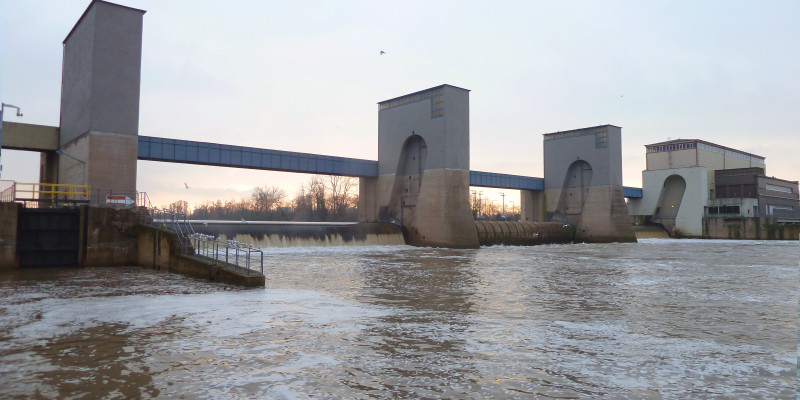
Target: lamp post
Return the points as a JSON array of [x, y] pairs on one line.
[[19, 114]]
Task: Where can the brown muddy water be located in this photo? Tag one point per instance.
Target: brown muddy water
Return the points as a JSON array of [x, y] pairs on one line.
[[656, 319]]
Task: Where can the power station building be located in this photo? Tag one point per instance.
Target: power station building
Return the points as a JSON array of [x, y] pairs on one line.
[[688, 181]]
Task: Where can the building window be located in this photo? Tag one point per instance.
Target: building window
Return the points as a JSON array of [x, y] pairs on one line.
[[781, 189], [660, 148], [749, 191], [690, 145], [680, 146], [771, 208], [671, 147]]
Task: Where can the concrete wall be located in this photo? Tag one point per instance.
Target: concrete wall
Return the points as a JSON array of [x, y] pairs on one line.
[[17, 136], [110, 236], [749, 228], [533, 205], [561, 149], [102, 72], [159, 249], [671, 159], [100, 98], [9, 216], [109, 161], [440, 115], [423, 167], [688, 219], [367, 200], [583, 183]]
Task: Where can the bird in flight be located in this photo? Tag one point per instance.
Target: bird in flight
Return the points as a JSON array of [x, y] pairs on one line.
[[383, 52], [184, 184]]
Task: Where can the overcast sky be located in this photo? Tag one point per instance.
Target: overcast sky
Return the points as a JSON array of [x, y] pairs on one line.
[[306, 76]]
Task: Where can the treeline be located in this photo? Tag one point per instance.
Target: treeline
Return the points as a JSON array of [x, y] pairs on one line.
[[322, 198]]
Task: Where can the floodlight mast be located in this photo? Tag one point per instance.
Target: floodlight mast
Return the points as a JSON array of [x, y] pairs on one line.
[[2, 108], [4, 105]]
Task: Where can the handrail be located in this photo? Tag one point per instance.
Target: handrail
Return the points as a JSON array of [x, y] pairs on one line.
[[7, 194], [233, 255], [242, 255], [71, 192]]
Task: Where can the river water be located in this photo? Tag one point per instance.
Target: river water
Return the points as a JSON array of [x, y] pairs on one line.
[[661, 318]]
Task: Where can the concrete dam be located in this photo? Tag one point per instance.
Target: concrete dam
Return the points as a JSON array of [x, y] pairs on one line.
[[310, 234]]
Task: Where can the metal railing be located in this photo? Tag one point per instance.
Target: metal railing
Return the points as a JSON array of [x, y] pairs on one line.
[[248, 259], [7, 190], [53, 194], [239, 257], [177, 222], [60, 195]]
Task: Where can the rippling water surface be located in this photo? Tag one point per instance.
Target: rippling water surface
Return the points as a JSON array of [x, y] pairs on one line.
[[658, 319]]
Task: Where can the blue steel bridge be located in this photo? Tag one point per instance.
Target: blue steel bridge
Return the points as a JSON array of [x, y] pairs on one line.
[[222, 155]]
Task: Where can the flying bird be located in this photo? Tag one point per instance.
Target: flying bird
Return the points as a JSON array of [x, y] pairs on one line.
[[184, 184], [383, 52]]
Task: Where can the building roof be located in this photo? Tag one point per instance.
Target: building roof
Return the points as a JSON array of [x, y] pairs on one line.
[[668, 142], [421, 91], [581, 129], [87, 11]]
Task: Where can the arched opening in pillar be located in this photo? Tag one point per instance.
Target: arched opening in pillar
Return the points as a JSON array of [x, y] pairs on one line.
[[574, 192], [669, 202], [408, 180]]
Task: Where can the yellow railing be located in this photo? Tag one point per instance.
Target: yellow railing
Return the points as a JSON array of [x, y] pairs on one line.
[[56, 191]]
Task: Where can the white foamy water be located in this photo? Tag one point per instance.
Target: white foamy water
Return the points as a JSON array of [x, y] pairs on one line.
[[658, 319]]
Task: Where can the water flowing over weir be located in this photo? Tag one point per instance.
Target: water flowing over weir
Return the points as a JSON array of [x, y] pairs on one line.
[[302, 234], [323, 234]]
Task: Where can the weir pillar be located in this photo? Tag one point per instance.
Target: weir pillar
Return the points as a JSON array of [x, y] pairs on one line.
[[101, 73], [583, 183], [423, 168]]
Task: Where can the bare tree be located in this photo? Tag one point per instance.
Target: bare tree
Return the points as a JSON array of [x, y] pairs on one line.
[[340, 190], [179, 207], [316, 188], [266, 198]]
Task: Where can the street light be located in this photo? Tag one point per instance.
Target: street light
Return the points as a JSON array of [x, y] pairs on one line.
[[19, 114]]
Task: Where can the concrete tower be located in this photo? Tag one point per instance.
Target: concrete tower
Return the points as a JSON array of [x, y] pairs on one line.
[[100, 98], [423, 168], [583, 183]]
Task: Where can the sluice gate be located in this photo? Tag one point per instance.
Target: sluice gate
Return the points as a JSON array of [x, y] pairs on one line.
[[48, 237], [526, 233]]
